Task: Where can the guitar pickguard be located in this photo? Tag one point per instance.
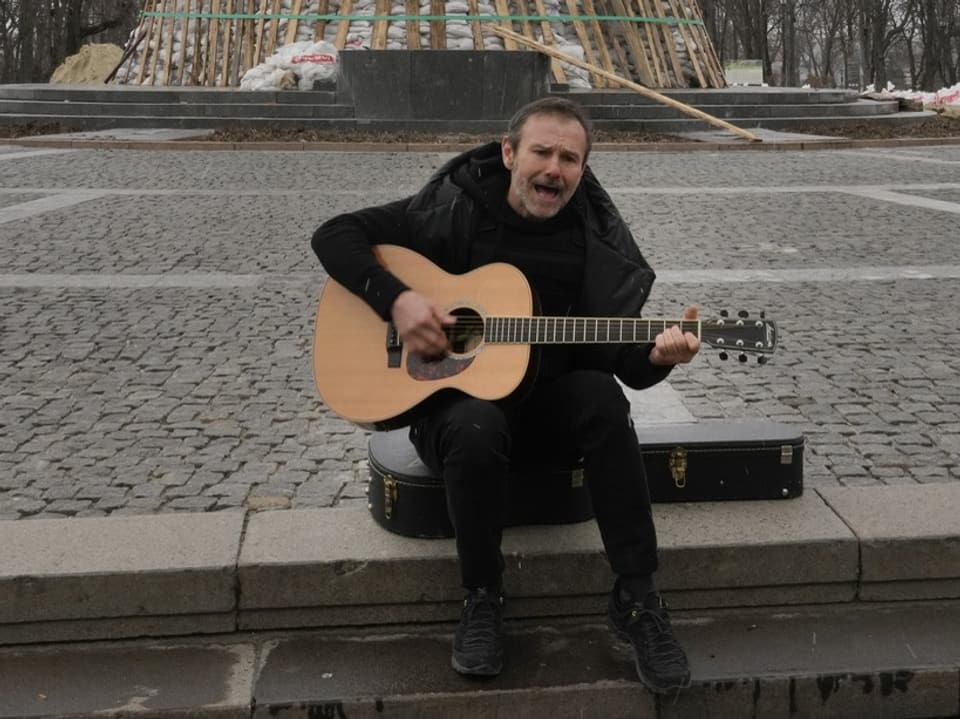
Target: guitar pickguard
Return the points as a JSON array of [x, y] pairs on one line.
[[426, 370]]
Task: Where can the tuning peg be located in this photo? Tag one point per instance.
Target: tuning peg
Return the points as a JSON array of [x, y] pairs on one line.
[[762, 359], [724, 356], [743, 313], [742, 357], [724, 313]]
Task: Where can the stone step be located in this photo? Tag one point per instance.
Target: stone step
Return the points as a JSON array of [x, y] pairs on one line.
[[859, 108], [852, 661], [220, 111], [479, 127], [176, 574], [176, 95], [359, 109], [243, 111], [726, 96]]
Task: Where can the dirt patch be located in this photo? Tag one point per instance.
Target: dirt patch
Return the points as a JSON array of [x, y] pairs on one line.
[[28, 130], [936, 127], [246, 134], [90, 66]]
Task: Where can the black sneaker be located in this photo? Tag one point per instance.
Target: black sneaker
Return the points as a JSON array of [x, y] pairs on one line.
[[478, 645], [661, 662]]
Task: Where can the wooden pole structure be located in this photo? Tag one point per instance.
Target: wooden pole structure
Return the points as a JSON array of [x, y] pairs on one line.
[[645, 91]]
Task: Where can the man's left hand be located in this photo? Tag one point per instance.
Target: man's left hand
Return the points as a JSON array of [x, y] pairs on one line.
[[673, 346]]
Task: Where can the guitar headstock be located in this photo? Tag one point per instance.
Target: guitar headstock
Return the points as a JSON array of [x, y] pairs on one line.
[[741, 335]]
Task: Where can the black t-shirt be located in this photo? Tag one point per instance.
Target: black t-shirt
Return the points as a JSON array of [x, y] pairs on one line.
[[550, 253]]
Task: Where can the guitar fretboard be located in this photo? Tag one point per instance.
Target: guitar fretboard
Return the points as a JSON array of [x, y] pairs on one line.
[[577, 330]]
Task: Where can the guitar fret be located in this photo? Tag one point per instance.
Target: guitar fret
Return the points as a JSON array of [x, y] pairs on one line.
[[578, 330]]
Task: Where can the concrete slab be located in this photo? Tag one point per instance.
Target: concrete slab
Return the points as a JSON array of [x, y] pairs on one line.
[[825, 661], [87, 629], [412, 677], [134, 134], [308, 559], [909, 538], [320, 557], [127, 680], [97, 568], [765, 135], [754, 544]]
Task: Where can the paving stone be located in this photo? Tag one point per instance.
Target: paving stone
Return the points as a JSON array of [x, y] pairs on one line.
[[146, 368]]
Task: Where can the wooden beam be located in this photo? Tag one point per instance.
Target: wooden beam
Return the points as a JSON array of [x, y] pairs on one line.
[[227, 38], [168, 47], [581, 32], [274, 28], [503, 11], [599, 38], [637, 51], [196, 67], [438, 28], [558, 74], [293, 24], [714, 67], [320, 26], [126, 56], [474, 8], [378, 38], [156, 54], [666, 31], [689, 44], [346, 7], [184, 36], [645, 91], [613, 33], [412, 9], [258, 49], [653, 42], [213, 35], [248, 32]]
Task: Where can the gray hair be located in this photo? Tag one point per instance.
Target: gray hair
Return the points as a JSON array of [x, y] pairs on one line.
[[557, 106]]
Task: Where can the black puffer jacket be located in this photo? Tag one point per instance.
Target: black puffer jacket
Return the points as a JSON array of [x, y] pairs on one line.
[[439, 222]]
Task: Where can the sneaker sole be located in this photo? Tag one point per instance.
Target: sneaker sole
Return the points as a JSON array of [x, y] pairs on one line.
[[655, 688], [484, 670]]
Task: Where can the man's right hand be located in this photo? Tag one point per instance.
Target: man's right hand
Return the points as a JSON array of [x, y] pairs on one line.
[[420, 324]]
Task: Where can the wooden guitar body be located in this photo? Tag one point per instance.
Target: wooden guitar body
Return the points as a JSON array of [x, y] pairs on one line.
[[351, 364]]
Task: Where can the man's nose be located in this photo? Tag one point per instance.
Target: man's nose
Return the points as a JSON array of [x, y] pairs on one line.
[[553, 166]]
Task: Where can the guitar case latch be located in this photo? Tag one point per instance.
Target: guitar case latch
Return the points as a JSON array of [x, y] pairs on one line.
[[678, 466], [390, 491]]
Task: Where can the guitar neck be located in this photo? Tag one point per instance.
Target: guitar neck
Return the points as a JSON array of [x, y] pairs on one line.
[[579, 330]]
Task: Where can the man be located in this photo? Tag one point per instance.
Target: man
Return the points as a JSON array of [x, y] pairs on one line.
[[531, 201]]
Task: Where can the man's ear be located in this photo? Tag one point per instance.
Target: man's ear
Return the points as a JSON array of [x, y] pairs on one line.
[[506, 152]]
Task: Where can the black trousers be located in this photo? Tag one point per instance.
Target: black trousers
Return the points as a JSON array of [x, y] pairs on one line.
[[471, 443]]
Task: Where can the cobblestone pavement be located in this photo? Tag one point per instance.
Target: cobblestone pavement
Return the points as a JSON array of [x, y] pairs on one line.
[[156, 314]]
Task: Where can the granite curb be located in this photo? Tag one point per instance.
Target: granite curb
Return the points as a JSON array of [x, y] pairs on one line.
[[175, 574], [888, 659], [274, 146]]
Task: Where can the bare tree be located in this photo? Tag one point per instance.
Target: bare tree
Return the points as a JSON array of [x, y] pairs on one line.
[[39, 34], [938, 25]]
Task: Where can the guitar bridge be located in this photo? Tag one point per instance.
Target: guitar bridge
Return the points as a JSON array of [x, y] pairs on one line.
[[394, 346]]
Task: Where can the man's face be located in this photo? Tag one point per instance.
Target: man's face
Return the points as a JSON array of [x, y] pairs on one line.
[[547, 165]]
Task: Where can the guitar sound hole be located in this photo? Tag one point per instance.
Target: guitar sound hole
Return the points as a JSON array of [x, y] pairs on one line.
[[467, 335]]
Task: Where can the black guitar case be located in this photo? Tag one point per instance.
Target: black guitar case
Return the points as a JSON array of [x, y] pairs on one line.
[[408, 499], [704, 461]]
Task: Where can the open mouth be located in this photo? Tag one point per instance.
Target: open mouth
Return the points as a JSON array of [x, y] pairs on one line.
[[546, 191]]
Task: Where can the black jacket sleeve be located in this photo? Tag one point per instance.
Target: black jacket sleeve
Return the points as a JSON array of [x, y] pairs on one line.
[[343, 245], [635, 370]]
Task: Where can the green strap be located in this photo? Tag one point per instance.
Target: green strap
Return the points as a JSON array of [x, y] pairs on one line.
[[425, 18]]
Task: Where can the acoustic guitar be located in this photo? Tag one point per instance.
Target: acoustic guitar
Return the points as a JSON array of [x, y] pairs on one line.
[[364, 374]]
